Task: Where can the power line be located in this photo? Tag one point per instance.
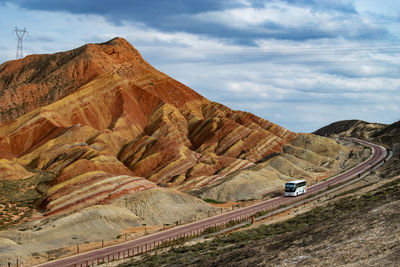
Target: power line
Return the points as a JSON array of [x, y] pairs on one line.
[[345, 55], [330, 49], [336, 62], [389, 47], [20, 35], [349, 25], [302, 49], [301, 53], [312, 29]]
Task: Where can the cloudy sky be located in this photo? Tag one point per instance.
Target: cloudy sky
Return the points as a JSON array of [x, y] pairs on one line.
[[302, 64]]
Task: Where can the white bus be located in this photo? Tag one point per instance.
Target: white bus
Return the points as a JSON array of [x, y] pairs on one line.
[[295, 188]]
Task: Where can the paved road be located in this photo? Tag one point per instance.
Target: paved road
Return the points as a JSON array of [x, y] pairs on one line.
[[147, 242]]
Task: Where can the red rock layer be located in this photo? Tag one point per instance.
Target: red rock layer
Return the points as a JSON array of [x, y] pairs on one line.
[[38, 80], [11, 171], [91, 188], [178, 146], [101, 116]]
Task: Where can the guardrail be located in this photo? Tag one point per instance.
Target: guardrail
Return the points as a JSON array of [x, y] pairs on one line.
[[168, 238]]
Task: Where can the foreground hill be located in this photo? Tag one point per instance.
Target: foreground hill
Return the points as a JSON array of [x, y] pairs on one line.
[[357, 230], [358, 226], [96, 135]]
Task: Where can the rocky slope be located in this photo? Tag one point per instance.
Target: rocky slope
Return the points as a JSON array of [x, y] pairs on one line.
[[388, 135], [306, 157], [98, 126], [352, 231], [109, 120], [357, 226], [38, 80], [354, 128]]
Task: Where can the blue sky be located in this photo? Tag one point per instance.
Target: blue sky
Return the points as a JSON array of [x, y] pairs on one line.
[[301, 64]]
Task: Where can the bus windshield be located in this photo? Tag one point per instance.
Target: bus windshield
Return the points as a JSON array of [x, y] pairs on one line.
[[290, 187]]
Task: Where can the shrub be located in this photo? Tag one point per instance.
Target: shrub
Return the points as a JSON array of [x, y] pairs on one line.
[[208, 200]]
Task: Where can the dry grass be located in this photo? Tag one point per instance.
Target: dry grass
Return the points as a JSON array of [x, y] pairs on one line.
[[332, 228], [18, 198]]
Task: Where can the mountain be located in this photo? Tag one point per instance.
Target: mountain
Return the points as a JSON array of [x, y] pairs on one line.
[[96, 117], [96, 135], [39, 80]]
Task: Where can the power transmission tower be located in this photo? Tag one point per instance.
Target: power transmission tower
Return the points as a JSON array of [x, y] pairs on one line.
[[20, 35]]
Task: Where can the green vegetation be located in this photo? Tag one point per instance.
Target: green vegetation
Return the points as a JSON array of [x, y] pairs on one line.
[[352, 190], [208, 200], [18, 197], [202, 252], [215, 229], [24, 191]]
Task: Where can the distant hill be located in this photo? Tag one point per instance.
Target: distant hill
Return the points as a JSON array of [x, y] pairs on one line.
[[336, 127], [386, 134]]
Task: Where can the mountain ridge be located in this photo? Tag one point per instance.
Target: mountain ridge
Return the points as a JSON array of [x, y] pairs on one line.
[[101, 137], [54, 76], [126, 119]]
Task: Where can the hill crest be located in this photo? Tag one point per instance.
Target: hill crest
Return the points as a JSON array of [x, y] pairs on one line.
[[39, 80], [102, 108]]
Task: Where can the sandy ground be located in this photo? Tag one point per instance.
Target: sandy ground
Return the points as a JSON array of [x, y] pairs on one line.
[[126, 235], [360, 236], [136, 232]]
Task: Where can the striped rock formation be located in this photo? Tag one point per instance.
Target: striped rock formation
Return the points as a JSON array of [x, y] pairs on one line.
[[106, 124], [12, 171]]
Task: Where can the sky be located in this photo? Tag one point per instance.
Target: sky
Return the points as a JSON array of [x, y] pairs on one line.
[[301, 64]]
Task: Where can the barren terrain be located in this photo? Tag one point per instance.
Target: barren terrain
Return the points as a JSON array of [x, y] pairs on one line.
[[94, 141], [355, 226], [349, 230]]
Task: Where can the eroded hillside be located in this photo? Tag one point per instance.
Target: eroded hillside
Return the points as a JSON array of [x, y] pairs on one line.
[[356, 226], [97, 129], [119, 123]]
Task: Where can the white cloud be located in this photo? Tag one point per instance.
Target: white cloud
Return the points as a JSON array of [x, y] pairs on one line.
[[302, 85], [280, 13]]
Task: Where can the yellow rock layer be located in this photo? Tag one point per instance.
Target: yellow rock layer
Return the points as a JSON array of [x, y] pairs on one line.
[[12, 171]]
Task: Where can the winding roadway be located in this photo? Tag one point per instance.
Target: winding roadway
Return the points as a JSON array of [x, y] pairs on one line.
[[148, 242]]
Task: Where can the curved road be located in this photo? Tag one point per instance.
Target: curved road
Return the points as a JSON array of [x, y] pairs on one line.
[[192, 229]]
